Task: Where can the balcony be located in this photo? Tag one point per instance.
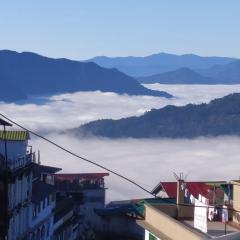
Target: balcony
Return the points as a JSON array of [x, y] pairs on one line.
[[22, 161]]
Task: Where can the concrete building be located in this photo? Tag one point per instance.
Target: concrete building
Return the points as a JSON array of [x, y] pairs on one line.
[[43, 202], [15, 183], [88, 193], [32, 207], [169, 221]]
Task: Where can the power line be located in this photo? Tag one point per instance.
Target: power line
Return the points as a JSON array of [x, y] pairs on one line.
[[105, 168], [78, 156]]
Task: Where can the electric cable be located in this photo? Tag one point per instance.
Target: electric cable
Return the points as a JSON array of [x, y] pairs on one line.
[[105, 168]]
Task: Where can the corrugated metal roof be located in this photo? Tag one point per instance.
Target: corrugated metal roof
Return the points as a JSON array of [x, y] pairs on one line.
[[14, 135], [194, 188]]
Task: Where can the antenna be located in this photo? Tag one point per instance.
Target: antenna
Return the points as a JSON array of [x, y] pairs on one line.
[[181, 176], [185, 178], [176, 176]]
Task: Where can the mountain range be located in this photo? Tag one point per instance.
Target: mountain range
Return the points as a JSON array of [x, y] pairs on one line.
[[159, 63], [219, 117], [179, 76], [25, 74]]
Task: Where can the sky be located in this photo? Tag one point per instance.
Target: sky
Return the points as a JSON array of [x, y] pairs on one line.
[[81, 29]]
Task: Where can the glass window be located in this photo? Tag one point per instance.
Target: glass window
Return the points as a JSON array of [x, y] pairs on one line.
[[151, 237]]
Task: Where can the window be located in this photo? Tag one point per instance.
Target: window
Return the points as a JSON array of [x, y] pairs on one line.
[[39, 207], [44, 200], [34, 214], [152, 237], [48, 228], [43, 232]]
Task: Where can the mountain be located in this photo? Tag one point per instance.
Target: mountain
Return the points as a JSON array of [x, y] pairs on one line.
[[8, 91], [32, 74], [226, 73], [219, 117], [158, 63], [179, 76]]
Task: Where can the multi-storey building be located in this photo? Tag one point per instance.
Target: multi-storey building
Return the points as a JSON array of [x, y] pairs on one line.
[[30, 208], [88, 193], [43, 202], [17, 160]]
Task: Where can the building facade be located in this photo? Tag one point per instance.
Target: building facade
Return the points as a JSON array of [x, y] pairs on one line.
[[16, 183]]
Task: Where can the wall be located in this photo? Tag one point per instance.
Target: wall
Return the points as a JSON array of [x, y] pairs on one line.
[[18, 224], [116, 224], [236, 201], [93, 199], [15, 149], [44, 217], [169, 226]]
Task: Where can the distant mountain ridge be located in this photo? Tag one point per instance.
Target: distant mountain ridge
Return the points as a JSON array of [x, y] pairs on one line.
[[179, 76], [24, 74], [225, 73], [219, 117], [159, 63]]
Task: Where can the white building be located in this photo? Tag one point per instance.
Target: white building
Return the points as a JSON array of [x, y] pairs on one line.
[[18, 179]]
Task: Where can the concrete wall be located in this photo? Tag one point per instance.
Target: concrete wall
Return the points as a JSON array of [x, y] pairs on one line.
[[176, 211], [116, 224], [185, 212], [169, 209], [93, 199], [43, 218], [236, 201], [18, 224], [169, 226], [20, 190], [15, 149]]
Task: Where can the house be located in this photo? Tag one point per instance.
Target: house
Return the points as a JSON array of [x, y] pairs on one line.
[[88, 193], [214, 191], [43, 202], [16, 164], [119, 215], [66, 220], [37, 203], [179, 221]]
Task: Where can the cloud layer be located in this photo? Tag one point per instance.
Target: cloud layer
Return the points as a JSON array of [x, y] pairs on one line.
[[71, 110], [145, 161]]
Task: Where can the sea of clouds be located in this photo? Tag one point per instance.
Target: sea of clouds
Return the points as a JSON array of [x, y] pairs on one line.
[[143, 160]]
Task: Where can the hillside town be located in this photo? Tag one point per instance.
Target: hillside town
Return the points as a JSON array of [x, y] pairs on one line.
[[39, 202]]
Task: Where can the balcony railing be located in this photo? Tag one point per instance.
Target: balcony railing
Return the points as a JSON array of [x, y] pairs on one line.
[[22, 161]]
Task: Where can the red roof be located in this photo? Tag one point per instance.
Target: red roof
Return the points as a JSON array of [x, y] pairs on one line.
[[76, 176], [195, 188]]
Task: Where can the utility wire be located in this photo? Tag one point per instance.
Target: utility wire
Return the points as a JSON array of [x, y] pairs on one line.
[[105, 168], [78, 156]]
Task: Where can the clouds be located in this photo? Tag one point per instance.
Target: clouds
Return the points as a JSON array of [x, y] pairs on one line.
[[71, 110], [145, 161]]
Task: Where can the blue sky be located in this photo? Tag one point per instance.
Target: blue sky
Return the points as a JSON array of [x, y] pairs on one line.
[[81, 29]]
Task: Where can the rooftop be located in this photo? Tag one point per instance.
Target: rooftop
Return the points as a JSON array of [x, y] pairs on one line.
[[77, 176], [14, 135], [210, 190], [43, 169], [4, 123], [215, 229], [171, 222]]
